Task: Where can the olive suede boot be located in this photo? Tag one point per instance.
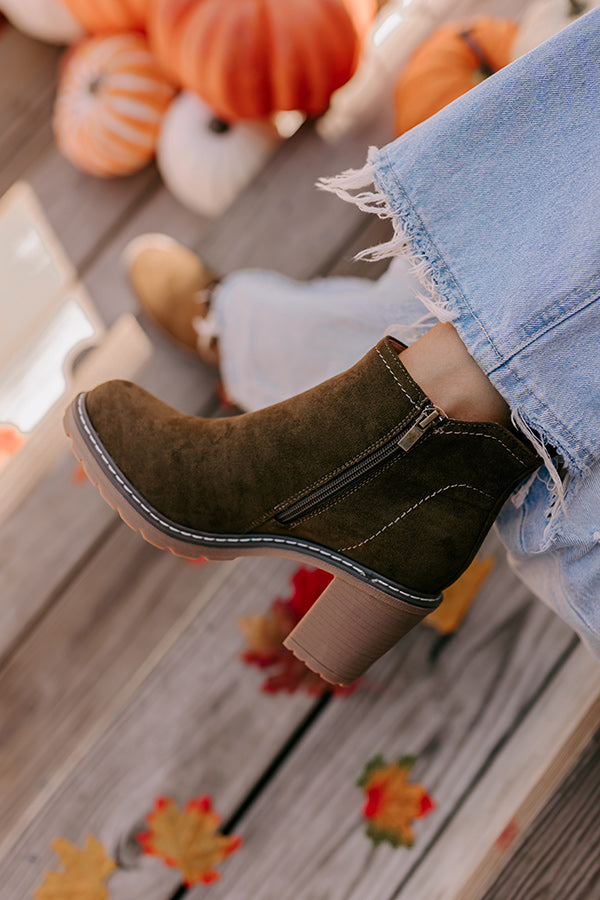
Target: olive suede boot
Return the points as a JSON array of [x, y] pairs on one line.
[[362, 476]]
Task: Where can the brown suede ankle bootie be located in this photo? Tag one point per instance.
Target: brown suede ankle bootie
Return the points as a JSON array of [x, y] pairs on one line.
[[361, 476]]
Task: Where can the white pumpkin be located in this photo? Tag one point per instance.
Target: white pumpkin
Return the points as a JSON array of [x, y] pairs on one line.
[[546, 18], [46, 20], [205, 162]]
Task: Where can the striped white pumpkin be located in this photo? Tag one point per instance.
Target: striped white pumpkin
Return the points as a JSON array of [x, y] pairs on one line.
[[111, 99]]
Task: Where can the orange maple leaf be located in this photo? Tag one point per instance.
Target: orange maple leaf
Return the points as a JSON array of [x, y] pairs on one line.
[[188, 839], [84, 875], [392, 802], [460, 596]]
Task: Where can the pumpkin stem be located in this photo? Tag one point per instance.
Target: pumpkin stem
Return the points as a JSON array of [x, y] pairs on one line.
[[485, 65], [95, 84], [219, 126], [577, 7]]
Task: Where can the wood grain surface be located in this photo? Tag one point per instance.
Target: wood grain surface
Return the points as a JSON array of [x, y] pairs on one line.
[[161, 704], [453, 704], [559, 855], [120, 676]]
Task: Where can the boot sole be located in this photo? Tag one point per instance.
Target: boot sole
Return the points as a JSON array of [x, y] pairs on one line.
[[360, 615]]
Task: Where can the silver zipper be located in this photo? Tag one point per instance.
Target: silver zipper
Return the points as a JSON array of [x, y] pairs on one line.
[[427, 418]]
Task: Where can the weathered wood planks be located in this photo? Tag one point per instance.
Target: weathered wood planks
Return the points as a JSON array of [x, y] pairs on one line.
[[455, 708], [520, 778], [559, 856], [148, 684], [100, 719], [26, 99]]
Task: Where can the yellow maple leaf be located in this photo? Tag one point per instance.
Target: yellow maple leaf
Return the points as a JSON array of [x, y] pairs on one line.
[[188, 839], [84, 875], [265, 635], [392, 802], [459, 597]]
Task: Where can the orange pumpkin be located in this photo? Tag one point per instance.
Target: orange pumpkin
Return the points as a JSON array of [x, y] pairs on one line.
[[111, 100], [101, 16], [247, 60], [450, 62]]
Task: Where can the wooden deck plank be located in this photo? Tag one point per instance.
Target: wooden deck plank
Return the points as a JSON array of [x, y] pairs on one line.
[[281, 221], [520, 778], [180, 715], [42, 543], [558, 857], [68, 668], [453, 709], [85, 211], [26, 100]]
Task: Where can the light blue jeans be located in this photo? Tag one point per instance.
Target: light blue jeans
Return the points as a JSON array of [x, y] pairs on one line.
[[496, 202], [496, 207]]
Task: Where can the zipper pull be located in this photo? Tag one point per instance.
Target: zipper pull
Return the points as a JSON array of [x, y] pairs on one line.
[[426, 420]]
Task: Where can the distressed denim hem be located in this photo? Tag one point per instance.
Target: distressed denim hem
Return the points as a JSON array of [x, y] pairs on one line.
[[444, 297]]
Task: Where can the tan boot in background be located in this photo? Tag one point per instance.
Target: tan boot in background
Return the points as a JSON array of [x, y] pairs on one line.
[[173, 287]]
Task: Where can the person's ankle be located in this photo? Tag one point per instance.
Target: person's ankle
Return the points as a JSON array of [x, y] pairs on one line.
[[441, 365]]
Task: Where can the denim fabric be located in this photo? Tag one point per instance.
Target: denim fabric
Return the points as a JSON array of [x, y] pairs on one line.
[[267, 326], [500, 194]]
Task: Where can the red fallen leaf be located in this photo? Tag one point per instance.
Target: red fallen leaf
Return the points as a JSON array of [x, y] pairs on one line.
[[392, 803], [265, 635], [308, 585], [188, 839]]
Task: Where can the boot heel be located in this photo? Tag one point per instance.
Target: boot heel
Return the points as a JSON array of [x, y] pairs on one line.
[[349, 627]]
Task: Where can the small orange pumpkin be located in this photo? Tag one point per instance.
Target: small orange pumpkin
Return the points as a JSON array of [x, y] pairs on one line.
[[248, 60], [450, 62], [111, 100], [102, 16]]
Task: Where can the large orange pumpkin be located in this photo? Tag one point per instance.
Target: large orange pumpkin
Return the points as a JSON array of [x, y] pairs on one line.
[[450, 62], [111, 100], [101, 16], [247, 60]]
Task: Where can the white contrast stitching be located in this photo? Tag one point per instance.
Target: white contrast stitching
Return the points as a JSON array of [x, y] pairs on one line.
[[407, 511], [237, 540], [396, 379]]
